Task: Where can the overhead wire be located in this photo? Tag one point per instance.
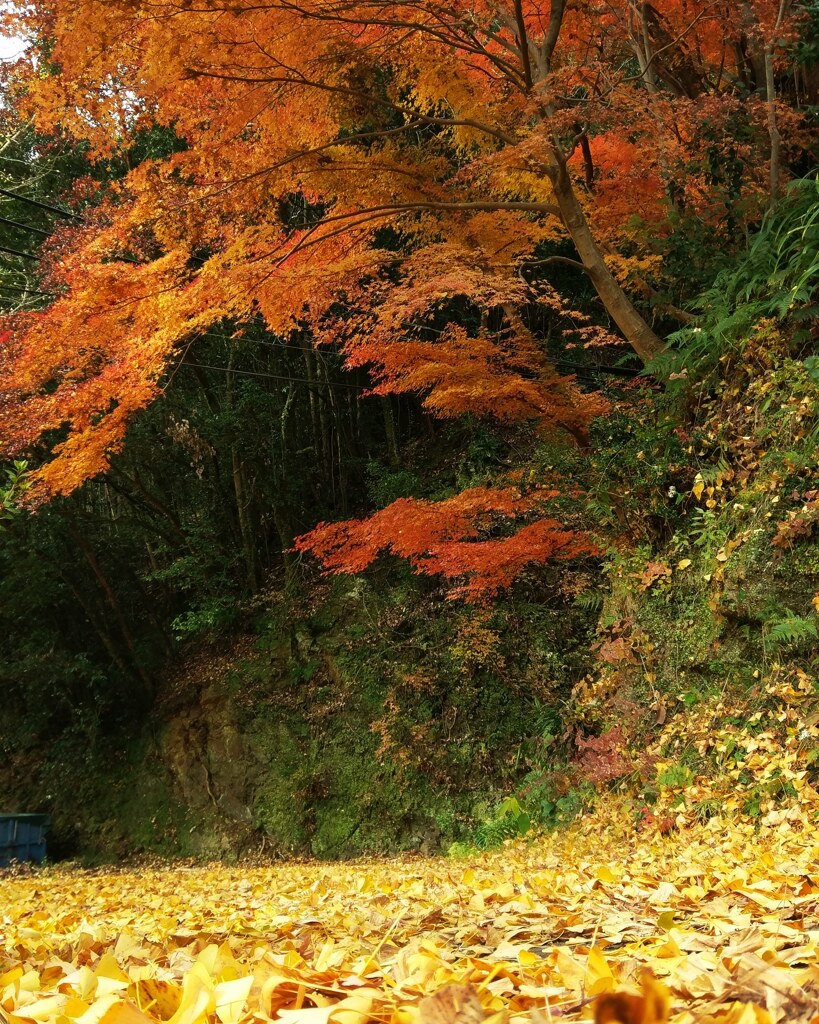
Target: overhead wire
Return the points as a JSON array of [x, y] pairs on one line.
[[24, 227], [37, 202], [589, 377], [19, 252], [586, 370], [275, 376]]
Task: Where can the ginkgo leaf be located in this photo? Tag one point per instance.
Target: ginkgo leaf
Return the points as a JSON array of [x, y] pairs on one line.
[[110, 977], [650, 1007], [230, 998], [197, 999], [123, 1012], [453, 1004], [84, 982], [355, 1009], [599, 974], [44, 1009], [159, 998], [556, 922], [100, 1009], [307, 1015]]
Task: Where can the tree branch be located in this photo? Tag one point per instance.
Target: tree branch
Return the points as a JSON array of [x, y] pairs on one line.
[[444, 122], [523, 43]]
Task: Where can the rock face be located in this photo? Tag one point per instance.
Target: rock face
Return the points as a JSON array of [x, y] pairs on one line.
[[323, 739], [266, 756], [213, 771], [210, 767], [207, 757]]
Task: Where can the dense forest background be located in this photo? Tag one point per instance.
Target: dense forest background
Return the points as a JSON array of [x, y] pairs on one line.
[[181, 675]]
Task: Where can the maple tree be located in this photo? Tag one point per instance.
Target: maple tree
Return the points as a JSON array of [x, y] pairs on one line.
[[368, 175], [444, 538]]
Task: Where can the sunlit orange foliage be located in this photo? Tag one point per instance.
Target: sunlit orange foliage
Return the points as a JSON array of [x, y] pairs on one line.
[[452, 538], [473, 131], [393, 179], [503, 378]]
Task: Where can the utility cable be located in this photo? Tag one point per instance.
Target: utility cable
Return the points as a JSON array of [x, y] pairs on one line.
[[25, 227], [36, 202], [276, 376], [19, 252]]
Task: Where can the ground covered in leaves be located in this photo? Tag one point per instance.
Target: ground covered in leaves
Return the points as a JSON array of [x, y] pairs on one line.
[[726, 918]]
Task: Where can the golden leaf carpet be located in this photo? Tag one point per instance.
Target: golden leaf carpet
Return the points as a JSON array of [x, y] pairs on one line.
[[725, 915]]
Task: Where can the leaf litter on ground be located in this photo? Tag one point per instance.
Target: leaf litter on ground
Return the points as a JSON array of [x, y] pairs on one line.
[[718, 922]]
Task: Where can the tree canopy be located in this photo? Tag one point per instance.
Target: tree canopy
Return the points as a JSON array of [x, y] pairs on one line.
[[401, 181]]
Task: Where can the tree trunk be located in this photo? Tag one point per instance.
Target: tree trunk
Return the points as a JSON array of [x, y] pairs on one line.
[[243, 496], [241, 492], [310, 370], [389, 429], [103, 635], [773, 127], [770, 97], [636, 331], [115, 606], [281, 503]]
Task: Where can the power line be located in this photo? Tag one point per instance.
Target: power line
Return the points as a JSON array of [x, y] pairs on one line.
[[36, 202], [25, 227], [279, 346], [20, 290], [276, 376], [19, 252], [585, 368], [589, 370], [40, 231], [305, 380], [32, 256]]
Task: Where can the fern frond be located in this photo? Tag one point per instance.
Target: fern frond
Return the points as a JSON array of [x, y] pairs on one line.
[[778, 276], [589, 601], [792, 631]]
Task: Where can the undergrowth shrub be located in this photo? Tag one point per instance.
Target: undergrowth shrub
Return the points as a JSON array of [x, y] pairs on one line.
[[777, 278]]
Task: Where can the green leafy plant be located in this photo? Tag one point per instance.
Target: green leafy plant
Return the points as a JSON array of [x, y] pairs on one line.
[[567, 807], [509, 821], [791, 631], [15, 486], [589, 601], [675, 776], [777, 278], [706, 531]]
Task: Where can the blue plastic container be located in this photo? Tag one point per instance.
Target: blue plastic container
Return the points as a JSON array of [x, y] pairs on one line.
[[22, 837]]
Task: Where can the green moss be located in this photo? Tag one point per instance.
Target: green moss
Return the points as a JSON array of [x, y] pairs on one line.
[[393, 717], [151, 818], [107, 799], [279, 810]]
